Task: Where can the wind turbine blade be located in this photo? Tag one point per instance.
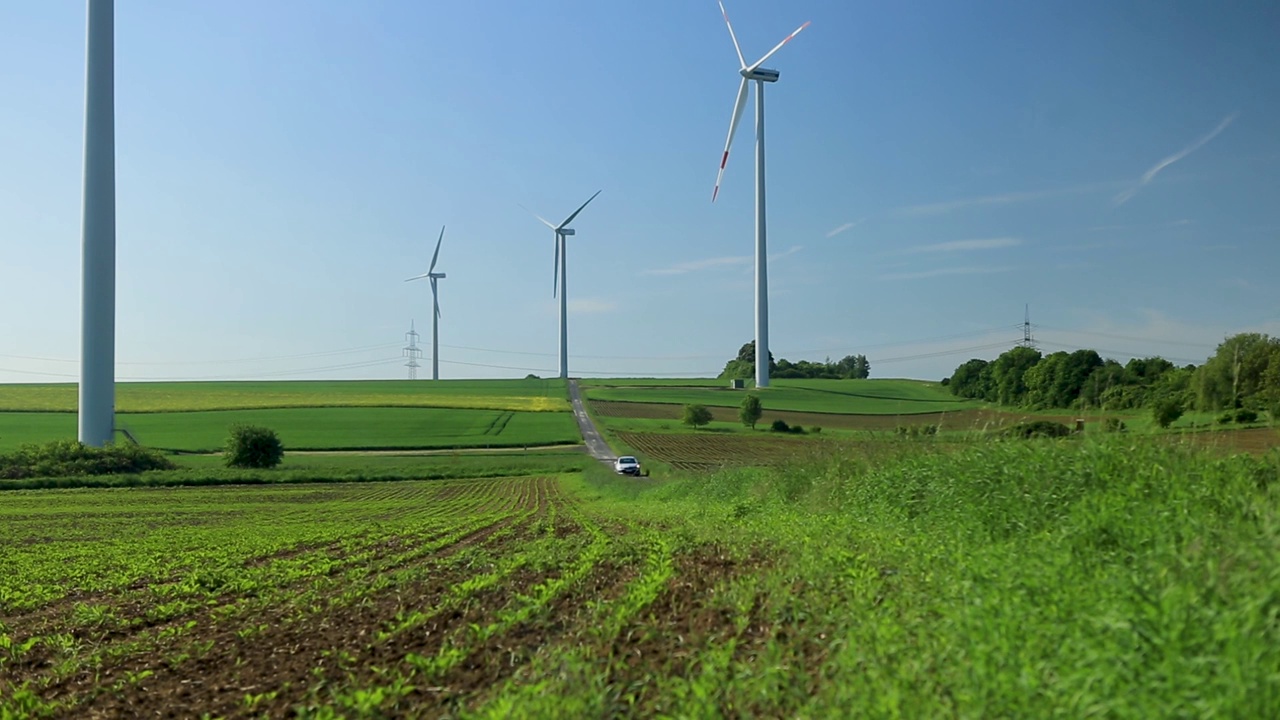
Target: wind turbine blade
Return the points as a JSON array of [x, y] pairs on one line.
[[435, 297], [436, 256], [544, 220], [575, 212], [555, 277], [418, 277], [778, 47], [733, 128], [741, 61]]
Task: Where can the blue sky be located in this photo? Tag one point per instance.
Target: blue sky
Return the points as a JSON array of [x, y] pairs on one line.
[[932, 166]]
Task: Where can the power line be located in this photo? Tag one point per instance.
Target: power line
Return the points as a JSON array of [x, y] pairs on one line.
[[1127, 337], [1119, 353], [321, 353]]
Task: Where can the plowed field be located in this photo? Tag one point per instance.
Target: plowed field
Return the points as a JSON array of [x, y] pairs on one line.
[[416, 599], [957, 420], [706, 451]]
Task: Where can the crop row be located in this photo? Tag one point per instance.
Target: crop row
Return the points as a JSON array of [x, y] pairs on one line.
[[440, 598]]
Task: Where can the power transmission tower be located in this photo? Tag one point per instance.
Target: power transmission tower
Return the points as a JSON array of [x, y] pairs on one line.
[[412, 351], [1027, 339]]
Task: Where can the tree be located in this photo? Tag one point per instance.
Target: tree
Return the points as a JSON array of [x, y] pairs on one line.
[[750, 411], [1166, 411], [1007, 374], [696, 415], [854, 366], [251, 446], [972, 380], [1042, 380], [1237, 372], [744, 365]]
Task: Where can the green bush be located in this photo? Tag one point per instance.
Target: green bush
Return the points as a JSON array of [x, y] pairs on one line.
[[750, 411], [696, 415], [1113, 425], [1038, 429], [251, 446], [63, 458], [1244, 416], [780, 425], [1226, 418], [915, 431], [797, 429], [1166, 411]]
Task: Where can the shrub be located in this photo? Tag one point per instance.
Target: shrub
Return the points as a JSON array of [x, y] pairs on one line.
[[1038, 429], [1166, 411], [816, 430], [1226, 418], [696, 415], [750, 411], [68, 457], [251, 446], [915, 431], [1245, 417], [780, 425], [797, 429], [1113, 424]]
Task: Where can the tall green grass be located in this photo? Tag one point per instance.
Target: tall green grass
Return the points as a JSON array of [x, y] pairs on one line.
[[1107, 578]]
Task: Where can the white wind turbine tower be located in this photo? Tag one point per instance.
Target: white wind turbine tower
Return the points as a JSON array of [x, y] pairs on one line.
[[98, 299], [761, 76], [434, 276], [563, 231]]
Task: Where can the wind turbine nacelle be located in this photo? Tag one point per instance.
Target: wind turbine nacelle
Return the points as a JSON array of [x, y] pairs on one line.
[[567, 232], [438, 276], [764, 74]]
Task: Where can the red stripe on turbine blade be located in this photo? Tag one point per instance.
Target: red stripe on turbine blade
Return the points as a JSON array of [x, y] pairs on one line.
[[724, 159], [797, 32]]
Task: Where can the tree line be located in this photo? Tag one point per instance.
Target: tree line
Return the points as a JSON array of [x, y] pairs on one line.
[[744, 367], [1243, 373]]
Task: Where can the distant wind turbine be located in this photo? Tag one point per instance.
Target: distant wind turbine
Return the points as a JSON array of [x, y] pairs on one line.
[[434, 276], [563, 231], [761, 76]]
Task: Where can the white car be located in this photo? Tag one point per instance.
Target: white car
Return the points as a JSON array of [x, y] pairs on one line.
[[626, 465]]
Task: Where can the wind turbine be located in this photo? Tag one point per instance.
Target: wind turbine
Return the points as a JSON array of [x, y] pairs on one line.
[[434, 276], [98, 232], [761, 76], [563, 231]]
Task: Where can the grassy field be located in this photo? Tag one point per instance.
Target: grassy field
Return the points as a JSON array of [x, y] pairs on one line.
[[512, 395], [870, 397], [315, 428], [1014, 579]]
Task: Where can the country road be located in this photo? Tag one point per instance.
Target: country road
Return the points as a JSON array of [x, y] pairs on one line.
[[596, 445]]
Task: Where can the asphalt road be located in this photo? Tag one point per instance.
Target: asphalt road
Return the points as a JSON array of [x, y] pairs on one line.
[[596, 445]]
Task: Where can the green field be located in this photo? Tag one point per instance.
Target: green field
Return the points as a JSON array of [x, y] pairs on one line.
[[315, 428], [1005, 579], [515, 395], [871, 397]]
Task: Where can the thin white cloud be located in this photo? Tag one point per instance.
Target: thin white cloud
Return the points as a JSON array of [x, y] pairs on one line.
[[591, 306], [717, 262], [786, 253], [696, 265], [1134, 226], [1150, 175], [939, 272], [966, 245], [1009, 198], [846, 226]]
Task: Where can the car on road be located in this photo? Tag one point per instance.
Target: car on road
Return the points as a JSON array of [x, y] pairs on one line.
[[626, 465]]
